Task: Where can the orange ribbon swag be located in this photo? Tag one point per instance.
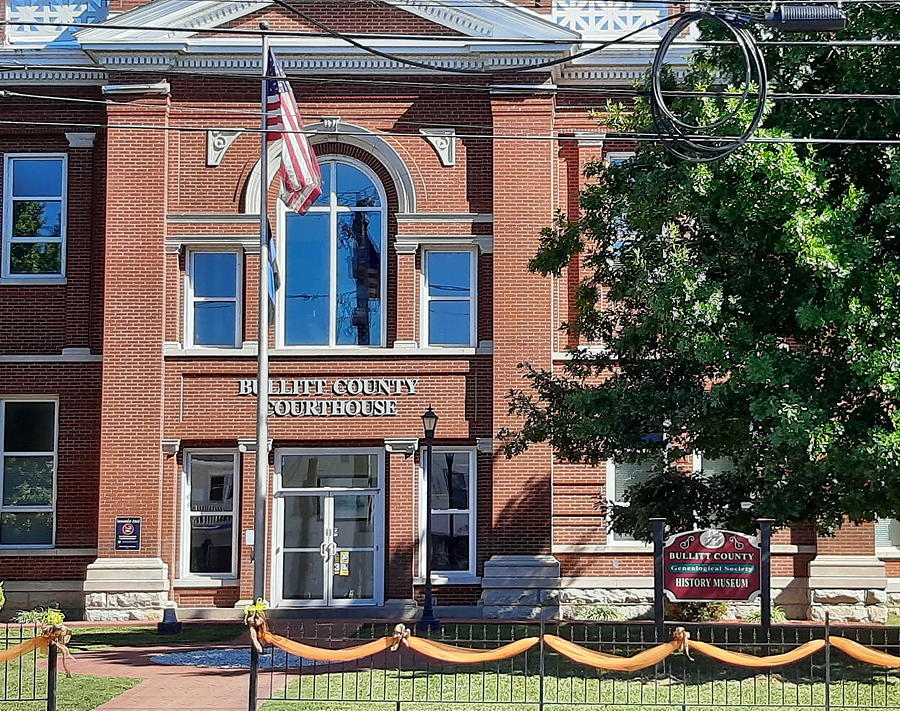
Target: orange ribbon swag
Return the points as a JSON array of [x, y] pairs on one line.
[[59, 635]]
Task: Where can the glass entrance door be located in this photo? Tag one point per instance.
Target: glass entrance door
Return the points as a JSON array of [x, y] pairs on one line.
[[328, 548]]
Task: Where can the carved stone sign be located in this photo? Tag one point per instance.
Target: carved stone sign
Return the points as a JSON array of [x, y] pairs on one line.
[[711, 565], [333, 397]]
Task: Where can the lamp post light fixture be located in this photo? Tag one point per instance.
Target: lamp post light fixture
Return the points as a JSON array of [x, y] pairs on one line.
[[428, 621]]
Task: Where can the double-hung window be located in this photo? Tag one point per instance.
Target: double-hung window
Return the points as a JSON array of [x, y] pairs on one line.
[[28, 472], [334, 262], [887, 535], [453, 513], [619, 478], [34, 215], [209, 530], [449, 297], [214, 299]]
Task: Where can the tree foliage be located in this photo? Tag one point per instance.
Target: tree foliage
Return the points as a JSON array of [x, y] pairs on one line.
[[747, 308]]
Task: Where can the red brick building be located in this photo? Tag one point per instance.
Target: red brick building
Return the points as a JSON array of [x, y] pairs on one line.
[[130, 253]]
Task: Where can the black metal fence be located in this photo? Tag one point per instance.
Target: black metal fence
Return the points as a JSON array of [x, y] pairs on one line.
[[541, 678], [28, 681]]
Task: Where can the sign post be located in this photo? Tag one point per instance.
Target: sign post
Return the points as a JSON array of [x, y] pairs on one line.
[[765, 541], [659, 613]]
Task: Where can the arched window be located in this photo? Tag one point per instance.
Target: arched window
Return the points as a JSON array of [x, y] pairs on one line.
[[333, 262]]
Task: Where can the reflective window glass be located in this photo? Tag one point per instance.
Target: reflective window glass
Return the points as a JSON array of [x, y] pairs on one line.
[[354, 188], [359, 278], [34, 177], [215, 274], [449, 274], [307, 279], [27, 472], [210, 512]]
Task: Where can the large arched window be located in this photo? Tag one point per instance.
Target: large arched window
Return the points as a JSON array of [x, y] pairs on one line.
[[333, 262]]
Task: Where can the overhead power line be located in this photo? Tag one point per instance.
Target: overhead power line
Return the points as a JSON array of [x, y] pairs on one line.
[[456, 39], [617, 135]]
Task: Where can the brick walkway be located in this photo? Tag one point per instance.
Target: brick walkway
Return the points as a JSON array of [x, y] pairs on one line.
[[165, 687]]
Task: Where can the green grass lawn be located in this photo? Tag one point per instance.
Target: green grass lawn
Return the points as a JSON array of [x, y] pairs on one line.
[[19, 682], [91, 638]]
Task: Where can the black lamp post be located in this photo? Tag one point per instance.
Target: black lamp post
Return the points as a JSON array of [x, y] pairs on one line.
[[429, 424]]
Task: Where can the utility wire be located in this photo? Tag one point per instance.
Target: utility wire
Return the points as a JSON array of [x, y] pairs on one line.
[[461, 39], [617, 135]]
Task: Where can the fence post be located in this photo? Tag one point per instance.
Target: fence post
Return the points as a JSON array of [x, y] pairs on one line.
[[254, 677], [51, 677], [827, 662], [541, 668], [765, 575]]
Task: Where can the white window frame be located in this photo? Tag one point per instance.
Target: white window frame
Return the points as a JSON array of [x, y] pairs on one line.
[[889, 551], [450, 576], [613, 157], [55, 454], [426, 298], [9, 240], [187, 515], [611, 536], [190, 299], [333, 210]]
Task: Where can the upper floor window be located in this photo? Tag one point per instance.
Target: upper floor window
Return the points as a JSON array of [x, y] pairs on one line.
[[28, 472], [34, 215], [213, 298], [334, 262], [449, 296]]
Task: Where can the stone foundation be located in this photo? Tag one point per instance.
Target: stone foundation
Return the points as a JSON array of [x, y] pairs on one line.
[[632, 597], [65, 595], [126, 589], [848, 588], [520, 587]]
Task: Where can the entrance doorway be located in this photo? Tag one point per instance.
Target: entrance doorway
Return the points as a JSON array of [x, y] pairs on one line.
[[329, 528]]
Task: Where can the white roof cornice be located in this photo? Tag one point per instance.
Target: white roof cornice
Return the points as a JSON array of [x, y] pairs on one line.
[[487, 19]]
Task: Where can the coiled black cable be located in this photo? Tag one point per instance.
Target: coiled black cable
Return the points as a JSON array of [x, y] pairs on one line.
[[689, 141]]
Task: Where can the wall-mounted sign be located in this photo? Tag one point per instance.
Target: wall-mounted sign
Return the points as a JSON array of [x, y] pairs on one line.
[[128, 533], [711, 565], [318, 397]]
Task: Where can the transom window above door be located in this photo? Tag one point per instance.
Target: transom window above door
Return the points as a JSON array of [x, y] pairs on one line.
[[334, 262]]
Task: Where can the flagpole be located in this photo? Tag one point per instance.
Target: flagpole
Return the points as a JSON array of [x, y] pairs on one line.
[[262, 376]]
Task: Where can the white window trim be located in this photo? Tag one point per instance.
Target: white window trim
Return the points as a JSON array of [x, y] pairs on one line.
[[31, 509], [450, 576], [281, 306], [5, 272], [426, 299], [613, 156], [190, 299], [186, 516], [611, 538]]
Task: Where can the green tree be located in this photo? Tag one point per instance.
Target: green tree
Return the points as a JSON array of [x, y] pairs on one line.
[[751, 306]]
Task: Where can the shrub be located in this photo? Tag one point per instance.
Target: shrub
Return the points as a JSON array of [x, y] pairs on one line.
[[40, 616], [697, 611], [778, 615], [602, 613]]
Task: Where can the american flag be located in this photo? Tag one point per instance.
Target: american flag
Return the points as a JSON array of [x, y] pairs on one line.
[[301, 181]]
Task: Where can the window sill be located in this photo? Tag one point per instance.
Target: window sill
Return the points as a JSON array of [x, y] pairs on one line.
[[206, 583], [175, 350], [888, 553], [36, 281], [48, 552], [608, 549], [438, 579]]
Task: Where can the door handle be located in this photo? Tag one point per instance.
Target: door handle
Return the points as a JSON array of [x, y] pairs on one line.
[[323, 549], [332, 549]]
